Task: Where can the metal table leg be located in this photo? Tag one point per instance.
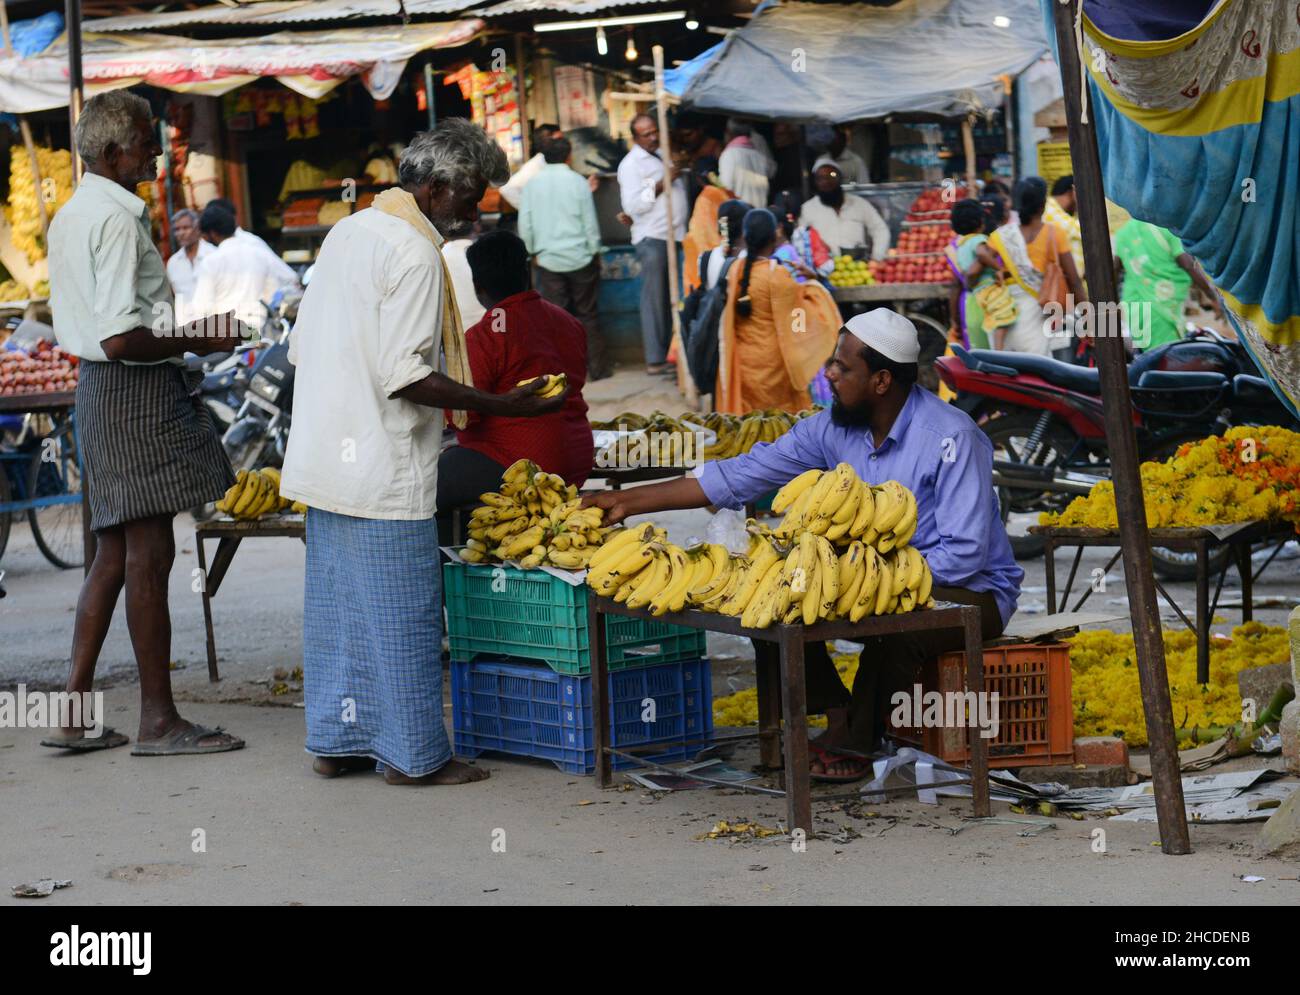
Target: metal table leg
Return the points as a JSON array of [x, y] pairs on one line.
[[1244, 569], [599, 685], [1203, 612], [798, 796], [1049, 563], [979, 746], [767, 668], [213, 676]]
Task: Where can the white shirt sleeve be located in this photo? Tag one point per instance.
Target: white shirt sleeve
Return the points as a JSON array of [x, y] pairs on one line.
[[410, 316], [877, 230]]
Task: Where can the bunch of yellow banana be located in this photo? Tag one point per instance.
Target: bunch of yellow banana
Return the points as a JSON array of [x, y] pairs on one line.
[[255, 493], [23, 211], [836, 504], [535, 518], [555, 382], [740, 433], [639, 567], [651, 447]]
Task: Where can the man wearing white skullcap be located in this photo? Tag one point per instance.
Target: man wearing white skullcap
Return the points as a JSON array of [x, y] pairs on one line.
[[843, 220], [887, 428]]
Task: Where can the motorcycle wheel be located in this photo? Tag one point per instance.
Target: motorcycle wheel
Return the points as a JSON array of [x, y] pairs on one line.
[[1010, 434]]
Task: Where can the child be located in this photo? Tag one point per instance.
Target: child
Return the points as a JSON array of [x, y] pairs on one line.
[[984, 308]]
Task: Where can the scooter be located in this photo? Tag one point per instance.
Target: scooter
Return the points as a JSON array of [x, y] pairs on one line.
[[1045, 419]]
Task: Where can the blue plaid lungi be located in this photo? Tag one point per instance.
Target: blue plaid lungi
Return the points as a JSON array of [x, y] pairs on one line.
[[372, 641]]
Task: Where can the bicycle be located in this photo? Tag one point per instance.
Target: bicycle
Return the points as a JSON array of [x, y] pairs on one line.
[[40, 475]]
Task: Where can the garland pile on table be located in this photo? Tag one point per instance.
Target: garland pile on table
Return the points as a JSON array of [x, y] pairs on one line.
[[741, 708], [1250, 472], [1108, 699]]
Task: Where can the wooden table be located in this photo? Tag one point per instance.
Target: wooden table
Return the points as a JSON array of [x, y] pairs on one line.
[[1194, 539], [229, 534], [781, 691], [886, 292]]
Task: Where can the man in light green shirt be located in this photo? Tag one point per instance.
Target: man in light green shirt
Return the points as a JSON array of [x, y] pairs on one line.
[[557, 221]]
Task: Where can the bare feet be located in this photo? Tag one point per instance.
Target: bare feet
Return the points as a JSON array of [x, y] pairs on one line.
[[334, 766], [452, 772]]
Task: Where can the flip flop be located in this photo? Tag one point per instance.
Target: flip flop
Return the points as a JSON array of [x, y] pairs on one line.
[[185, 742], [106, 740], [828, 757]]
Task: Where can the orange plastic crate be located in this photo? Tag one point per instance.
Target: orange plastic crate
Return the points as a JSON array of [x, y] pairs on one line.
[[1035, 708]]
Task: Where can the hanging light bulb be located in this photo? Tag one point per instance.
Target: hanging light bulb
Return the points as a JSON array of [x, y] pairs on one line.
[[602, 43], [631, 52]]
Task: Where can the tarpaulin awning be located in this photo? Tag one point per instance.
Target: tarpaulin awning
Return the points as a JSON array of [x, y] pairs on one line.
[[841, 62], [274, 12], [1196, 104], [310, 62]]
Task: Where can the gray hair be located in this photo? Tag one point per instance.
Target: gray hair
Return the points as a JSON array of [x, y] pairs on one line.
[[739, 128], [457, 153], [186, 212], [109, 119]]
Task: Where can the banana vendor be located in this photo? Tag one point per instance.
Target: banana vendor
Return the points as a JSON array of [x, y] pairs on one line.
[[887, 428]]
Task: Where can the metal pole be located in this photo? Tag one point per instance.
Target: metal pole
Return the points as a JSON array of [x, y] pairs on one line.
[[76, 83], [428, 95], [684, 382], [521, 84], [968, 149], [1144, 610]]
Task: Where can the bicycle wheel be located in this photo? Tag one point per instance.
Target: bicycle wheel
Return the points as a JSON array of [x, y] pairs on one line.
[[57, 527]]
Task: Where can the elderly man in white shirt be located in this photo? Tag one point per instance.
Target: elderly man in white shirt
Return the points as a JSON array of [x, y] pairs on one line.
[[641, 191], [843, 220], [377, 322], [147, 446], [183, 264]]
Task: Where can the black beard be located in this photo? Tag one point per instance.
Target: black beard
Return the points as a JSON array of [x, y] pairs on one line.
[[832, 198], [844, 416]]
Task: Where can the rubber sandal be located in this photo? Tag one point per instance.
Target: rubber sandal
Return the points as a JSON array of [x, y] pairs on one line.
[[185, 742], [106, 740], [828, 757]]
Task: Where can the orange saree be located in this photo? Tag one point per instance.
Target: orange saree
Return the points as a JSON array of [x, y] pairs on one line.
[[701, 234], [768, 359]]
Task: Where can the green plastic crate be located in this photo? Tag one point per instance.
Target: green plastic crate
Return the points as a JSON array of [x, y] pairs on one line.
[[531, 615]]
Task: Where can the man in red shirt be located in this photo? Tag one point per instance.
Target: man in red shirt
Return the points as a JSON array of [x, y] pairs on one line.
[[520, 336]]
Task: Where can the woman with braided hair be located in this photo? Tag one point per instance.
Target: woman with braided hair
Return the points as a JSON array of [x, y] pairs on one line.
[[775, 333]]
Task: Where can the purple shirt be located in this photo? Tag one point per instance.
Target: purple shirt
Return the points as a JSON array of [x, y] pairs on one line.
[[933, 449]]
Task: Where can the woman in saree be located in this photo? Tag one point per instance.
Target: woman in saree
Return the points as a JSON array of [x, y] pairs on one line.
[[1029, 248], [775, 333], [702, 231]]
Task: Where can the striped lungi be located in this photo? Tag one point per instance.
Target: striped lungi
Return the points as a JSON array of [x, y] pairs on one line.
[[372, 642], [148, 445]]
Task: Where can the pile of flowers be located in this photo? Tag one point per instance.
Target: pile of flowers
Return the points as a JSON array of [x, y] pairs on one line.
[[1248, 473], [741, 708], [1108, 699]]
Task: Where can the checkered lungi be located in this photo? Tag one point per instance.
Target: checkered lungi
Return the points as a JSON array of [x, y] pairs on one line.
[[148, 444], [372, 642]]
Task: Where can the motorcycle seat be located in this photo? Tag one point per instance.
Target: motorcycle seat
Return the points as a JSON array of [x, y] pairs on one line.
[[1252, 390], [219, 381], [1082, 379], [1179, 379]]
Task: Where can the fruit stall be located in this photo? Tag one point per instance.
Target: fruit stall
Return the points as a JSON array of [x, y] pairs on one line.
[[40, 468], [543, 579]]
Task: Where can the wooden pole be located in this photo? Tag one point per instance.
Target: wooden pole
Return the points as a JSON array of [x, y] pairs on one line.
[[684, 382], [1144, 611], [968, 149], [76, 83]]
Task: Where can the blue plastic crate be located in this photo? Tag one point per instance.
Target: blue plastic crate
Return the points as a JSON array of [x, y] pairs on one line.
[[530, 710]]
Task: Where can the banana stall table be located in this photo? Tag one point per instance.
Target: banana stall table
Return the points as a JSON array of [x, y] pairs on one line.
[[229, 533], [891, 293], [781, 692], [1203, 541]]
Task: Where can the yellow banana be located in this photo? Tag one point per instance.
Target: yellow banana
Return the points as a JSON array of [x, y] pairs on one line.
[[764, 591], [839, 492], [866, 511], [865, 603], [927, 583], [786, 496], [660, 572], [759, 562], [828, 571], [673, 597], [885, 587], [613, 543]]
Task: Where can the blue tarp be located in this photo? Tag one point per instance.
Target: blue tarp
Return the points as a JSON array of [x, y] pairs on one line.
[[845, 62], [36, 35]]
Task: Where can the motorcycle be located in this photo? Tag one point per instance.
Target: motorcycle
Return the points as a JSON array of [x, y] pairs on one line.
[[1045, 419], [259, 432]]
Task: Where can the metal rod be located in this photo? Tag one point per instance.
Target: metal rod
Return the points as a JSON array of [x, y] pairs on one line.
[[1171, 812], [76, 82]]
